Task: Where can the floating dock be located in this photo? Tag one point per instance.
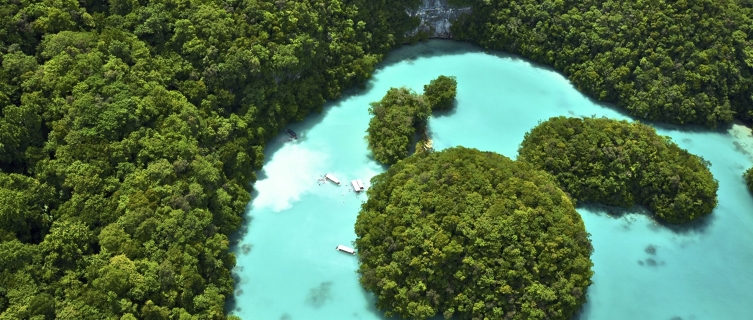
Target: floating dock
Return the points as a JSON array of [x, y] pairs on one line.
[[345, 249], [292, 134], [357, 185], [332, 178]]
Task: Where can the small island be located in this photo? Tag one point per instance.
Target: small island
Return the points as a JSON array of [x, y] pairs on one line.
[[472, 235], [401, 113], [441, 92], [622, 163]]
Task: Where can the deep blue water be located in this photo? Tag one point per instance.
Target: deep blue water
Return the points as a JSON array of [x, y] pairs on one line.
[[643, 270]]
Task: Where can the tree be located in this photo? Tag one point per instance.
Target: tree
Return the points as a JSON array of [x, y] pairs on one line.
[[441, 92]]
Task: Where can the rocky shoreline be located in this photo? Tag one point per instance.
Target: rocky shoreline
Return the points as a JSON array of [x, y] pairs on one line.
[[436, 18]]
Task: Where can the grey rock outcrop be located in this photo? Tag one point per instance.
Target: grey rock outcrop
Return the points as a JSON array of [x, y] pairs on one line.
[[436, 18]]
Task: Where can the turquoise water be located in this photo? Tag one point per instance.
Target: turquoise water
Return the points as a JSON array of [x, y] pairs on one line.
[[287, 265]]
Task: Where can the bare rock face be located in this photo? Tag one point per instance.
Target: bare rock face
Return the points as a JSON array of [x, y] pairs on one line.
[[436, 18]]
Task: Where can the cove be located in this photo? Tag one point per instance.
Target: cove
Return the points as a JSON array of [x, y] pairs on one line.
[[287, 265]]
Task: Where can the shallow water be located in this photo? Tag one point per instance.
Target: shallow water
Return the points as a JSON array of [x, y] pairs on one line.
[[290, 270]]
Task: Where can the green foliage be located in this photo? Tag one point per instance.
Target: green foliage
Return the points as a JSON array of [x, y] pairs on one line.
[[622, 163], [24, 208], [400, 113], [748, 176], [441, 92], [130, 131], [671, 61], [393, 123], [472, 235]]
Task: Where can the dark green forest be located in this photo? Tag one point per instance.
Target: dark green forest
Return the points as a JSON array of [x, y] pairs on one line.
[[622, 163], [130, 130], [472, 235]]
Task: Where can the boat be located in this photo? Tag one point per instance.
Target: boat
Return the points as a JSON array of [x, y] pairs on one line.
[[345, 249], [357, 185], [332, 178], [291, 133]]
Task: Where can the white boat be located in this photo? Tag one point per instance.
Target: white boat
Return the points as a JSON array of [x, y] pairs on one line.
[[356, 186], [332, 178], [345, 249]]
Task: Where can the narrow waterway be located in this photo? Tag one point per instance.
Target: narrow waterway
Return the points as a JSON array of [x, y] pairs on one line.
[[287, 265]]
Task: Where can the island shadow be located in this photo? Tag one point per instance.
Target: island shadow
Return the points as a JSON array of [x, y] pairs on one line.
[[698, 226], [427, 49], [445, 113]]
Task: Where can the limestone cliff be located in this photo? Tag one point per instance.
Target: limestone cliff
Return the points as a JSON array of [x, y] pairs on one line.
[[436, 18]]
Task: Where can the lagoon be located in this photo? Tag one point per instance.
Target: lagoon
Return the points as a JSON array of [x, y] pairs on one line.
[[287, 265]]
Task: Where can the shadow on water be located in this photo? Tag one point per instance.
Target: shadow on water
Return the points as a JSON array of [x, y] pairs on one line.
[[612, 211], [446, 113], [584, 311], [444, 47], [371, 306], [699, 226], [426, 49], [319, 295], [691, 128], [312, 119]]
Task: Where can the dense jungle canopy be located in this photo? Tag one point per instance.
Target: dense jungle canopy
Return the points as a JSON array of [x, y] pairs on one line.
[[130, 130], [473, 235], [622, 163]]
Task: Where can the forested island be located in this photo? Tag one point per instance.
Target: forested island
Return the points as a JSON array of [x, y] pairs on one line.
[[622, 163], [130, 131], [472, 235], [401, 113]]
